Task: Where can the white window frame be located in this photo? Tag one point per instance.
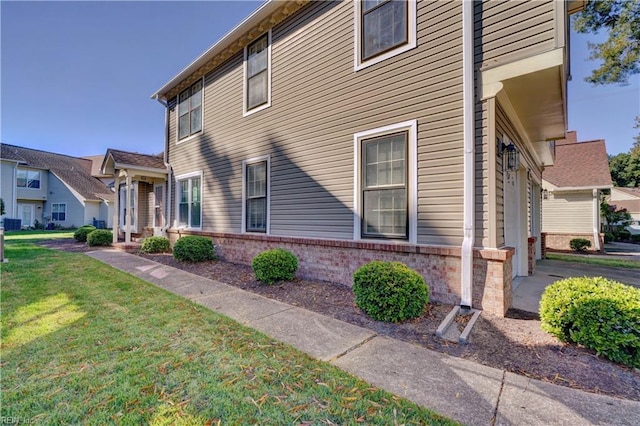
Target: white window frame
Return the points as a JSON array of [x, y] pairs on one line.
[[27, 171], [188, 177], [65, 212], [411, 127], [245, 82], [412, 37], [250, 161], [177, 108]]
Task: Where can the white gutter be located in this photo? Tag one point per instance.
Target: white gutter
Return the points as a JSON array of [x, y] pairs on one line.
[[596, 220], [469, 154]]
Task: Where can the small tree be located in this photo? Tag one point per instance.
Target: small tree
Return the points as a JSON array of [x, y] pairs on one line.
[[612, 214]]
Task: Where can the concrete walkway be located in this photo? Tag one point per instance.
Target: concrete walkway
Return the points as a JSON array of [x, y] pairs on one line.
[[462, 390]]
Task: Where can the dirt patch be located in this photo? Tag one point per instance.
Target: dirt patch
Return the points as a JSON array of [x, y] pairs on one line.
[[516, 343]]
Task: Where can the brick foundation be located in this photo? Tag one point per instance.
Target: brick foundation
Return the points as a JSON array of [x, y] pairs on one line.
[[337, 260], [560, 241]]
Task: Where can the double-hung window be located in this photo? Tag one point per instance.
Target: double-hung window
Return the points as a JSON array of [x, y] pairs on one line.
[[385, 28], [385, 182], [28, 179], [384, 186], [257, 86], [58, 212], [256, 187], [190, 111], [189, 191]]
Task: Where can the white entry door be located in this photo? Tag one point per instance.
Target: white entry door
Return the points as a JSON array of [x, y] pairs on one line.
[[512, 218], [158, 209], [25, 213]]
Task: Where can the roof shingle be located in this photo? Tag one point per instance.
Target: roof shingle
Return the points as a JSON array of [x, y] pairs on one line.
[[579, 165], [74, 171], [137, 159]]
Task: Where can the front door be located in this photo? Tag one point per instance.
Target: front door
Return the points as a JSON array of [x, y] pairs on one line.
[[25, 213], [512, 218]]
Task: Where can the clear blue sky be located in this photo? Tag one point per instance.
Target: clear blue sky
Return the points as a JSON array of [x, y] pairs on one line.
[[77, 76]]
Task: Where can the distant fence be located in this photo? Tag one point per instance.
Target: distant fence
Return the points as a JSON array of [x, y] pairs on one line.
[[614, 229]]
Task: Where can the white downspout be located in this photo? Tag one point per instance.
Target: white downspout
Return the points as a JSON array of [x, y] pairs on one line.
[[469, 154], [167, 204], [596, 220]]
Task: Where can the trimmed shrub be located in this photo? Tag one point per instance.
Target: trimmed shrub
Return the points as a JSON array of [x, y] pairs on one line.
[[81, 233], [194, 248], [579, 244], [609, 237], [100, 237], [275, 265], [595, 312], [623, 235], [390, 291], [155, 245]]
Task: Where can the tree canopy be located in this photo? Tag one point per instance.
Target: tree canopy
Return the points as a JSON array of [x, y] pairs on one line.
[[620, 53]]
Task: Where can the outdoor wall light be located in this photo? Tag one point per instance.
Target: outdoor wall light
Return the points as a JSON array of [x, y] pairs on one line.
[[511, 156]]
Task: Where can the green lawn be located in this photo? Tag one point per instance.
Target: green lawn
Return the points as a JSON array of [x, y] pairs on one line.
[[614, 263], [84, 343], [37, 235]]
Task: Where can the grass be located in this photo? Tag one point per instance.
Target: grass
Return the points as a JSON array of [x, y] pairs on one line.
[[85, 343], [33, 235], [614, 263]]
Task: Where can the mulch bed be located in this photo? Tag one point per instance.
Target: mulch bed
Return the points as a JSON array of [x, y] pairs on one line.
[[516, 343]]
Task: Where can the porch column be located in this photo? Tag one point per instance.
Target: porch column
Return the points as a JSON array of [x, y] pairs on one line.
[[116, 210], [127, 230]]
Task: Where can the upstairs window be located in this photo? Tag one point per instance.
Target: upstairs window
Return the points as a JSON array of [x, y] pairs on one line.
[[384, 28], [190, 111], [258, 74], [28, 179]]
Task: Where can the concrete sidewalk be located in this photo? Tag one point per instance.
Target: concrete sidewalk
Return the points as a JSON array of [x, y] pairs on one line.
[[462, 390]]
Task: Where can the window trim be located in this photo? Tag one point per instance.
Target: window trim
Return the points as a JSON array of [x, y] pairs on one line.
[[411, 127], [39, 172], [65, 212], [245, 163], [245, 81], [177, 108], [411, 43], [188, 176]]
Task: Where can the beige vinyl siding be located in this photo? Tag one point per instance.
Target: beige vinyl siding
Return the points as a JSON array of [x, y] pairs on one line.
[[318, 103], [512, 30], [568, 212]]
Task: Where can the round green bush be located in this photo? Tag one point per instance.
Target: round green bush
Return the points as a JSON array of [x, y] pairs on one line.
[[390, 291], [275, 265], [155, 245], [609, 237], [597, 313], [579, 244], [194, 248], [81, 233], [100, 237]]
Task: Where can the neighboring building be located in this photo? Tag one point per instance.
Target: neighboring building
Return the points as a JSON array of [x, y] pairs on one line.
[[51, 188], [572, 190], [351, 131], [146, 178], [626, 198], [96, 170]]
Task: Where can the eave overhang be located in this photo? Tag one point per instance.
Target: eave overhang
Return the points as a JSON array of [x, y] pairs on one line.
[[260, 21], [533, 90]]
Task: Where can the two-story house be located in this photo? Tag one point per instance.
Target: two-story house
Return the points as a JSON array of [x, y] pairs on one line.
[[50, 188], [347, 131]]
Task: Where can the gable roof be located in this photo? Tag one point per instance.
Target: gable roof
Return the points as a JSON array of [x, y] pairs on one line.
[[635, 192], [125, 159], [73, 171], [96, 165], [579, 165]]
